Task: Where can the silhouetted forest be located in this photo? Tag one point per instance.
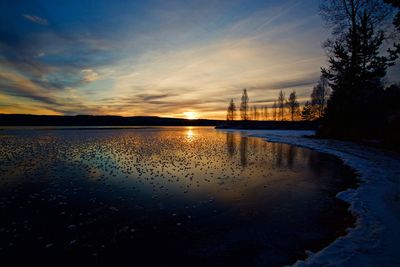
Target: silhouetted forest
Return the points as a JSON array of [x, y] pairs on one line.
[[351, 100], [283, 109], [360, 106]]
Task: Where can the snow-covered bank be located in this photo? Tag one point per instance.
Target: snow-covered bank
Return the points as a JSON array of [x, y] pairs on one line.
[[375, 240]]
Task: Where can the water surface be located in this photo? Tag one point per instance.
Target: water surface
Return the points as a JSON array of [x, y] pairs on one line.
[[164, 196]]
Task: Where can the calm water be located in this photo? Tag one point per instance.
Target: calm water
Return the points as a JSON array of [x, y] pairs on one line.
[[164, 197]]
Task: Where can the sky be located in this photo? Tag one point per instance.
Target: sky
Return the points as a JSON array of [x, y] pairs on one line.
[[155, 57]]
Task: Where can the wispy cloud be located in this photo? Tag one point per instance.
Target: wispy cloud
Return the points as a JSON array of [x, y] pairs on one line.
[[35, 19], [17, 85], [168, 58], [90, 75]]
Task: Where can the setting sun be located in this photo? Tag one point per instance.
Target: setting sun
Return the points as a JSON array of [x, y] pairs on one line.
[[190, 115], [229, 133]]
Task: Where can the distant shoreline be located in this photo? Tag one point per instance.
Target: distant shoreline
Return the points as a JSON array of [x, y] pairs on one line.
[[81, 128], [269, 125], [104, 121], [135, 127], [85, 122]]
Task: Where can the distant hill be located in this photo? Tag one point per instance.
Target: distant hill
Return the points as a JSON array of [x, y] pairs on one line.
[[89, 120]]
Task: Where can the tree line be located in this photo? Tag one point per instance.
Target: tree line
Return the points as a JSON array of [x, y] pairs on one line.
[[353, 99], [283, 108]]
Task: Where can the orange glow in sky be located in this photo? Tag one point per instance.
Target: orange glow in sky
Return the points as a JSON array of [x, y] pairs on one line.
[[161, 58], [190, 115]]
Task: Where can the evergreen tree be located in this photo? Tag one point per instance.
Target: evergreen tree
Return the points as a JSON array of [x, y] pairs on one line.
[[307, 113], [396, 20], [356, 66]]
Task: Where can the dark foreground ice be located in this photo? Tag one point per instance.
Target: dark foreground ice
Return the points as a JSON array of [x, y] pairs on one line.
[[164, 196]]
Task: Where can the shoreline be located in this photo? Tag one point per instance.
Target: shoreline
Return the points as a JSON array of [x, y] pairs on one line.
[[375, 203]]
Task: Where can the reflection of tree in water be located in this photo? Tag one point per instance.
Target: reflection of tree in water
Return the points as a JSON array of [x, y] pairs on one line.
[[273, 149], [254, 144], [291, 155], [243, 150], [279, 151], [230, 144], [314, 163], [326, 166], [282, 150]]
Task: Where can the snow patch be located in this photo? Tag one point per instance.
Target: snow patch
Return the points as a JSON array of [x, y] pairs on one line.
[[375, 239]]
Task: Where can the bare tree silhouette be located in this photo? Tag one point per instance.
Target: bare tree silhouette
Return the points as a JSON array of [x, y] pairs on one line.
[[274, 110], [231, 113], [293, 105], [281, 104], [319, 97], [256, 114], [244, 106], [264, 113]]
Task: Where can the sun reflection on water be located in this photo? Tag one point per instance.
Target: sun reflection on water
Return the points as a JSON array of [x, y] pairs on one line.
[[189, 134]]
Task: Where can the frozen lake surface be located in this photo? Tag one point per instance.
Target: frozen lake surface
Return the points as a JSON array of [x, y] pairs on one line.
[[164, 196]]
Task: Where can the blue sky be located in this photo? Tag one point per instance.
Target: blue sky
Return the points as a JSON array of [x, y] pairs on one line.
[[162, 58]]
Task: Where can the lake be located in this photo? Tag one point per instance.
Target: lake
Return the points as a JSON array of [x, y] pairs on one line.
[[164, 196]]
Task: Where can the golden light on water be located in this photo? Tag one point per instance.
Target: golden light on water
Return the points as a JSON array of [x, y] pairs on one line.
[[189, 133]]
